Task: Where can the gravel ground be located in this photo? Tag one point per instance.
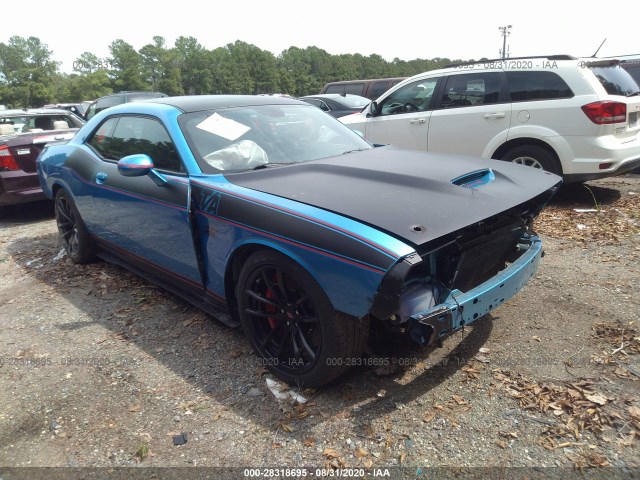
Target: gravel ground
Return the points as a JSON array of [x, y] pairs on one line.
[[101, 369]]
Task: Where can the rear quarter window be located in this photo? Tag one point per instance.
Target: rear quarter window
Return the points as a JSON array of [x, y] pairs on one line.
[[532, 85]]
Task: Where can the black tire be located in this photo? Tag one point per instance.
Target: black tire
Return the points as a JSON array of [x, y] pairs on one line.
[[291, 324], [76, 239], [534, 156]]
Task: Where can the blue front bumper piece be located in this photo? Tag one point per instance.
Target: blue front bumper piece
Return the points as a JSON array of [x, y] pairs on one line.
[[459, 309]]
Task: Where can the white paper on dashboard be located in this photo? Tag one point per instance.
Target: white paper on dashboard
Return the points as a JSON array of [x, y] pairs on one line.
[[223, 127]]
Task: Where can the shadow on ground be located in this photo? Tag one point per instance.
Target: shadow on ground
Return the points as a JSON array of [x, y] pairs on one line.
[[218, 360], [26, 213], [584, 195]]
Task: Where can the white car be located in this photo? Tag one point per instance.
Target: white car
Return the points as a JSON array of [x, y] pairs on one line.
[[574, 117]]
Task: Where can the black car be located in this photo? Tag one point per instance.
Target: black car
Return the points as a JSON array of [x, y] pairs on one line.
[[337, 104], [77, 108], [118, 98]]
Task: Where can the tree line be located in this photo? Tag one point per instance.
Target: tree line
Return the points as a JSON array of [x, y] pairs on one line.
[[30, 77]]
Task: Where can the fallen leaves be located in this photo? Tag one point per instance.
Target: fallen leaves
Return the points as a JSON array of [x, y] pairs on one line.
[[287, 427], [428, 417], [578, 405], [360, 452], [608, 224], [330, 453], [619, 337]]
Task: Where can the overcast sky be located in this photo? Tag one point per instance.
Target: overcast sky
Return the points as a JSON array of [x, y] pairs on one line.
[[407, 29]]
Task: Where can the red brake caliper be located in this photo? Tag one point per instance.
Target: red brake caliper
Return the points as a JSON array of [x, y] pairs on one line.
[[270, 308]]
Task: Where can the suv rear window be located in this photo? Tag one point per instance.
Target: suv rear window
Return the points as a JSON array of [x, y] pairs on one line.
[[615, 79], [528, 86], [352, 88]]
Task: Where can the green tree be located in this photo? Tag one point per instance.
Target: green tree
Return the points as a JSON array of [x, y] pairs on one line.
[[126, 67], [295, 67], [193, 61], [86, 63], [246, 69], [160, 67], [26, 72]]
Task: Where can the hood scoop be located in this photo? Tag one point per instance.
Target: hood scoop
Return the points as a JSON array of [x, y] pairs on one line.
[[475, 179]]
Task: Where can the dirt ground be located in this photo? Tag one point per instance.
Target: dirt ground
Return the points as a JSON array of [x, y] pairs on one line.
[[101, 369]]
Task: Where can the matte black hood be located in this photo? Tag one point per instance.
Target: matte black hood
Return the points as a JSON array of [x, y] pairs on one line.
[[396, 190]]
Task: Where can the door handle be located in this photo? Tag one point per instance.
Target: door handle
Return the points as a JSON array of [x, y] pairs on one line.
[[417, 120], [101, 177], [494, 115]]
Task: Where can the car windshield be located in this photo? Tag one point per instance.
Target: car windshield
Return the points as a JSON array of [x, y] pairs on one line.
[[244, 138]]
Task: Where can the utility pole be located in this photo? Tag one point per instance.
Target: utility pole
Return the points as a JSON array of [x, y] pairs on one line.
[[505, 33]]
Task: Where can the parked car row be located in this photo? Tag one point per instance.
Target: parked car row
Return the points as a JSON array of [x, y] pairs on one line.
[[578, 118], [371, 88]]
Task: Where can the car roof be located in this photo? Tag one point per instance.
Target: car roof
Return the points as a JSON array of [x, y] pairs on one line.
[[196, 103]]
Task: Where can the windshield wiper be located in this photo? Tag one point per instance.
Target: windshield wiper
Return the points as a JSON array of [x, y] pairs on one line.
[[355, 150], [634, 94], [267, 165]]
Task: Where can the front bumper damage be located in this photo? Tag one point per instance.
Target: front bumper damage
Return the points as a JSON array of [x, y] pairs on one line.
[[430, 326]]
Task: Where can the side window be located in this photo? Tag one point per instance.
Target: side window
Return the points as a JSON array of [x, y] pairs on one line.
[[91, 111], [471, 89], [121, 136], [318, 103], [102, 141], [527, 86], [413, 97], [379, 88], [108, 102], [324, 107]]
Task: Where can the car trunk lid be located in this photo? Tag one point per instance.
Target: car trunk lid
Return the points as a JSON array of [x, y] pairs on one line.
[[26, 147]]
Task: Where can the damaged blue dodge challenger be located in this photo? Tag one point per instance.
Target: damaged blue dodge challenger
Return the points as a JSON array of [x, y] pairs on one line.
[[270, 214]]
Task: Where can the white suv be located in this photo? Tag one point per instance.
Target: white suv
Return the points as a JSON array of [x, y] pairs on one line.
[[578, 118]]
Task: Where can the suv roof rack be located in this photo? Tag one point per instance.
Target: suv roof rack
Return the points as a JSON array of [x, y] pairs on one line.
[[547, 57]]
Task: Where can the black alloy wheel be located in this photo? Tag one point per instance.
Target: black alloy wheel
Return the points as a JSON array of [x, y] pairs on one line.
[[75, 237], [291, 324]]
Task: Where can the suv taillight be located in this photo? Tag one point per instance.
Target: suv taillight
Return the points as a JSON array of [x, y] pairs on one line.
[[606, 112], [7, 162]]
